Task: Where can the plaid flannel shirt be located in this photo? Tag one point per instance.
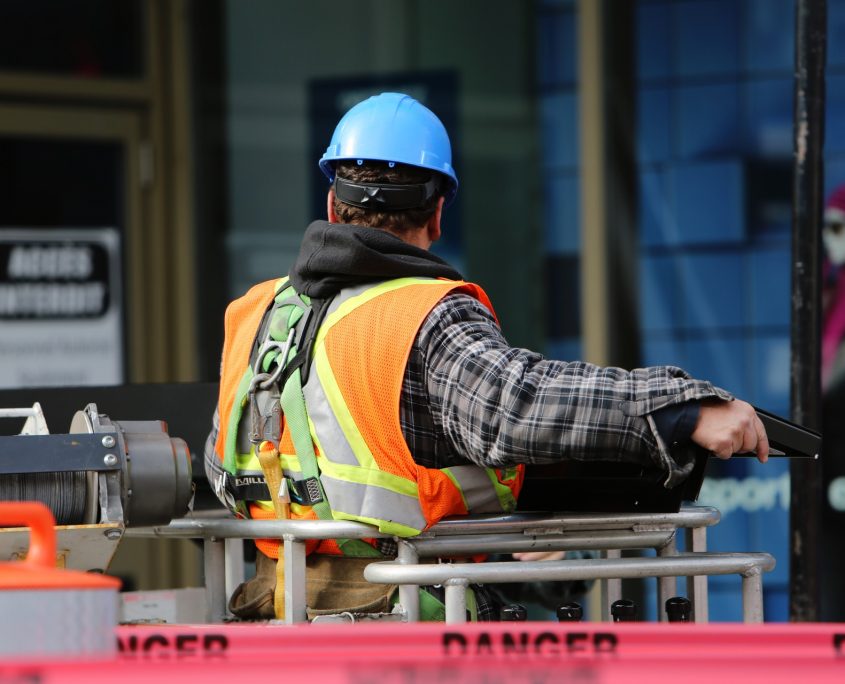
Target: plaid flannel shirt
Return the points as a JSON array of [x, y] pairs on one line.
[[469, 397]]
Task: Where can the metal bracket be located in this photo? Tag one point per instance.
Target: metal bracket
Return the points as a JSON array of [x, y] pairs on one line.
[[57, 453]]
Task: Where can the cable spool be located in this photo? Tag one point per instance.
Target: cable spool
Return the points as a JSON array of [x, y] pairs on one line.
[[65, 494], [127, 473]]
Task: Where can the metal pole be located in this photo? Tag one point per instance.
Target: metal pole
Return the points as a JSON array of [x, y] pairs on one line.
[[214, 559], [752, 597], [409, 594], [697, 584], [295, 606], [805, 475], [456, 601], [667, 587]]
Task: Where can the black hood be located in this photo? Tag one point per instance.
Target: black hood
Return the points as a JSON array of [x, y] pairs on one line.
[[334, 256]]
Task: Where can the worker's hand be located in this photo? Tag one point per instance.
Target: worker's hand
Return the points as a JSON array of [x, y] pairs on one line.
[[539, 555], [730, 427]]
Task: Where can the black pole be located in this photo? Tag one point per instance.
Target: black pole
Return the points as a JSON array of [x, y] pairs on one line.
[[805, 476]]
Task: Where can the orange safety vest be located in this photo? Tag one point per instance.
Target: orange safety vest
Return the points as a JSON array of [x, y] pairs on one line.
[[352, 398]]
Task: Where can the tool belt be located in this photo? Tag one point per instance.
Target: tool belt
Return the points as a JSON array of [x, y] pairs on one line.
[[333, 584]]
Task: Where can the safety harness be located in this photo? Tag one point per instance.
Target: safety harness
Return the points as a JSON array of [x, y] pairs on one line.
[[278, 367]]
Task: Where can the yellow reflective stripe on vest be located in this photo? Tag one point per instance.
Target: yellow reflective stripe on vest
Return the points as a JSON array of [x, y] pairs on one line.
[[479, 493], [370, 293], [375, 478], [393, 528], [331, 423]]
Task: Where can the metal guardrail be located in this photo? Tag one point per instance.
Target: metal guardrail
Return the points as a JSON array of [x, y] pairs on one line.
[[490, 534], [456, 577]]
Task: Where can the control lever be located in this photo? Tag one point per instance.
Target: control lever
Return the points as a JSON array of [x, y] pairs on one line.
[[788, 439]]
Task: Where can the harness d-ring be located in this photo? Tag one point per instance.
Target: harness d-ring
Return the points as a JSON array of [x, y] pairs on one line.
[[280, 365]]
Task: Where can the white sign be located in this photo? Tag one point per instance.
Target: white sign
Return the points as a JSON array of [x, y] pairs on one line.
[[60, 307]]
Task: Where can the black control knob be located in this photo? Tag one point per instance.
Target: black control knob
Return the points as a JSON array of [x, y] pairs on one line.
[[623, 610], [570, 612], [678, 609], [513, 613]]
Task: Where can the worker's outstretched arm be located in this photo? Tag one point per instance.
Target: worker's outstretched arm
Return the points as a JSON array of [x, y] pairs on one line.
[[499, 405]]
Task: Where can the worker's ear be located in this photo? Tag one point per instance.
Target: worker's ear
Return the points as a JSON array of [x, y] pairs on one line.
[[330, 213], [433, 225]]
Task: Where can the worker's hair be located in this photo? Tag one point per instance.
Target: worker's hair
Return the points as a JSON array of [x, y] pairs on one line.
[[397, 222]]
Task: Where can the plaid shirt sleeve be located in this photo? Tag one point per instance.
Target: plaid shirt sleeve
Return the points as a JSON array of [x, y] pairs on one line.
[[499, 405]]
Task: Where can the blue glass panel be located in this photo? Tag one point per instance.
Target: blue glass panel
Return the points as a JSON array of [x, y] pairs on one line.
[[769, 44], [659, 291], [708, 201], [768, 200], [568, 349], [767, 499], [707, 37], [834, 134], [556, 49], [776, 598], [834, 173], [770, 274], [562, 226], [731, 534], [660, 350], [752, 500], [725, 594], [559, 122], [657, 226], [653, 125], [713, 290], [770, 366], [835, 33], [707, 119], [768, 129], [720, 359], [654, 41], [562, 275]]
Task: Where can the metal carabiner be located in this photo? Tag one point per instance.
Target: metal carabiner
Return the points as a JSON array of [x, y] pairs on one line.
[[266, 348], [280, 365], [254, 383]]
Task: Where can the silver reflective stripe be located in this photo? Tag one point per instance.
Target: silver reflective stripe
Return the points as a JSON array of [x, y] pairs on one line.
[[479, 492], [376, 503], [345, 294], [332, 441], [329, 433]]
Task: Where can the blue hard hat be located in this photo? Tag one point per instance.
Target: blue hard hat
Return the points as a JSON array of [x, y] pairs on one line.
[[392, 127]]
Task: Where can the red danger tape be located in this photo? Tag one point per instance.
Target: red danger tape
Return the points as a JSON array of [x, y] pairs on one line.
[[528, 641], [711, 670], [494, 653]]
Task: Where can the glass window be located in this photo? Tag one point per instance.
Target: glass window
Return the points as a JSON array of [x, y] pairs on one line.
[[82, 39]]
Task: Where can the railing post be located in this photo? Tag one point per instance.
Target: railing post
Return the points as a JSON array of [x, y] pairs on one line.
[[294, 580], [456, 601], [214, 568], [409, 594]]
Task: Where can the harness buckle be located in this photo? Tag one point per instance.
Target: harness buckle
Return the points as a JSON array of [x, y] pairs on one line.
[[305, 492]]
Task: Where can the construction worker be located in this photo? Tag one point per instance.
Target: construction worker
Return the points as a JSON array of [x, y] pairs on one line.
[[413, 406]]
